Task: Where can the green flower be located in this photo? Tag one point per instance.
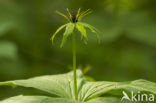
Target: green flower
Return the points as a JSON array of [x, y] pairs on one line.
[[74, 23]]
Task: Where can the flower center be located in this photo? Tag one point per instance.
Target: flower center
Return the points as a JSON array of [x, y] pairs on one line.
[[74, 19]]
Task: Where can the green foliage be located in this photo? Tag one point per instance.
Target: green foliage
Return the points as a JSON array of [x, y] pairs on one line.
[[62, 86], [105, 100], [36, 99]]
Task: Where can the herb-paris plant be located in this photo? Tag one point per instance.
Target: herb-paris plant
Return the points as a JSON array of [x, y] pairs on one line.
[[74, 23], [78, 89]]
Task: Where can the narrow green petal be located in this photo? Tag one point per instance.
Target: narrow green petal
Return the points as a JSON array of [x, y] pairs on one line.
[[62, 15], [93, 29], [69, 30], [58, 30], [81, 28]]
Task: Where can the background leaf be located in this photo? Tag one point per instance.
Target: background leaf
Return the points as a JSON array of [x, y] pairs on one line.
[[36, 99], [8, 50], [93, 89], [105, 100], [60, 85]]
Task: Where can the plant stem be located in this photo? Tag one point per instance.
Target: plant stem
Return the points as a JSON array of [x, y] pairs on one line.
[[74, 65]]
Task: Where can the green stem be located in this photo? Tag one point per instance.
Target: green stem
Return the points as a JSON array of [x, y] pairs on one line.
[[74, 65]]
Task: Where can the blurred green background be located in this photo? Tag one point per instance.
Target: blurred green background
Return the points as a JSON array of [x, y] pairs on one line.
[[127, 50]]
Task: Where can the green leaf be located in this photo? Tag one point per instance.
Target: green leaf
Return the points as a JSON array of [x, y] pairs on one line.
[[142, 85], [24, 99], [58, 30], [105, 100], [59, 100], [81, 28], [94, 89], [69, 30], [109, 100], [36, 99], [60, 85], [93, 29]]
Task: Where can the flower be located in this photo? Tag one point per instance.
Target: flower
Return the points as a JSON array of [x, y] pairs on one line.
[[74, 23]]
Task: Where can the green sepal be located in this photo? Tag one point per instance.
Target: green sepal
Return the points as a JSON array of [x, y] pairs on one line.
[[69, 30], [93, 29], [58, 30], [82, 30]]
